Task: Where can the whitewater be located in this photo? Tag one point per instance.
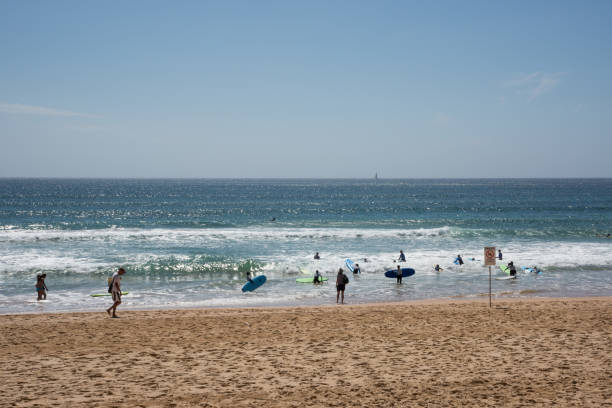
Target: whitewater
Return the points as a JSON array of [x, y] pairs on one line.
[[189, 243]]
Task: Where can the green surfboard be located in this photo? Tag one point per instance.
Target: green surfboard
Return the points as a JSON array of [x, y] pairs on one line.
[[106, 294], [505, 269], [309, 280]]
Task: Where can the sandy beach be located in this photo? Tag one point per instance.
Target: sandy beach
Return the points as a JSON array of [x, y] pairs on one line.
[[534, 352]]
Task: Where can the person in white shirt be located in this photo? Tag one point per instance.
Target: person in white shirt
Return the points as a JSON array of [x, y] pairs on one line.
[[116, 292]]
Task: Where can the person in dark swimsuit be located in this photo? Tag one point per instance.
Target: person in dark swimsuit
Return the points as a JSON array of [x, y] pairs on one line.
[[512, 269], [341, 281]]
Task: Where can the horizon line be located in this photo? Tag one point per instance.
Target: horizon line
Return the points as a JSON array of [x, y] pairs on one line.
[[299, 178]]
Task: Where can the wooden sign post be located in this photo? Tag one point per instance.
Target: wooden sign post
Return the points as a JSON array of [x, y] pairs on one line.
[[489, 256]]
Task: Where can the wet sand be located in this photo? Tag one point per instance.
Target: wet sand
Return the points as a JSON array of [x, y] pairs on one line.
[[534, 352]]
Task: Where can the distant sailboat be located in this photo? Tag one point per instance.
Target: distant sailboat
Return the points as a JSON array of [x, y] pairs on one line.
[[376, 176]]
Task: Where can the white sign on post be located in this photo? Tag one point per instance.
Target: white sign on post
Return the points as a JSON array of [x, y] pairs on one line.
[[489, 255]]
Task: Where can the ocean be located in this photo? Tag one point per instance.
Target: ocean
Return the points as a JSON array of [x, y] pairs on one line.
[[189, 242]]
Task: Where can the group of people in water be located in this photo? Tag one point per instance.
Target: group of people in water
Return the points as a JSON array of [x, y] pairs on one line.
[[341, 279]]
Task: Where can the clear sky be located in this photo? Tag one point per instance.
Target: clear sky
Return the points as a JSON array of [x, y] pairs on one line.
[[306, 88]]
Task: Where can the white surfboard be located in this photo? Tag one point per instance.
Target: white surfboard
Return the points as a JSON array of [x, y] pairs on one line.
[[506, 278]]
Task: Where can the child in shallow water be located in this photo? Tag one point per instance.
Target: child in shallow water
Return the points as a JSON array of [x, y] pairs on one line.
[[41, 288]]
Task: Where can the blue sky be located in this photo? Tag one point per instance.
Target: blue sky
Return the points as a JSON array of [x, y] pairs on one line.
[[306, 89]]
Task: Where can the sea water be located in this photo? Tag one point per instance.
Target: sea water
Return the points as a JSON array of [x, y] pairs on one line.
[[189, 243]]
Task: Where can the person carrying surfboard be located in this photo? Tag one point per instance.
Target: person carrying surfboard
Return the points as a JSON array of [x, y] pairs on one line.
[[402, 257], [116, 292], [399, 275], [459, 260], [249, 276], [512, 269]]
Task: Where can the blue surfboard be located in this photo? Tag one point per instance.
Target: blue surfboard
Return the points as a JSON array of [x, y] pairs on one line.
[[257, 282], [528, 269], [392, 273], [349, 264]]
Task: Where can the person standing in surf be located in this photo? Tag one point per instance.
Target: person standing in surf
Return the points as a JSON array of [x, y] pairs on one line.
[[41, 287], [459, 260], [249, 276], [399, 275], [341, 281], [356, 269], [512, 269], [499, 255], [316, 256], [116, 292], [317, 278], [44, 286]]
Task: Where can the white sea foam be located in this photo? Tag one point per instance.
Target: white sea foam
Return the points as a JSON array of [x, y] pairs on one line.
[[228, 234], [281, 250]]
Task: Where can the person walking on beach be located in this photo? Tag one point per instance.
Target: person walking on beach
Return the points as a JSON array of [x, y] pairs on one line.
[[41, 287], [341, 281], [399, 275], [402, 257], [116, 292]]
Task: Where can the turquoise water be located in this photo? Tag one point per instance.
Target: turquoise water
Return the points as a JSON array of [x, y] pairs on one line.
[[187, 243]]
